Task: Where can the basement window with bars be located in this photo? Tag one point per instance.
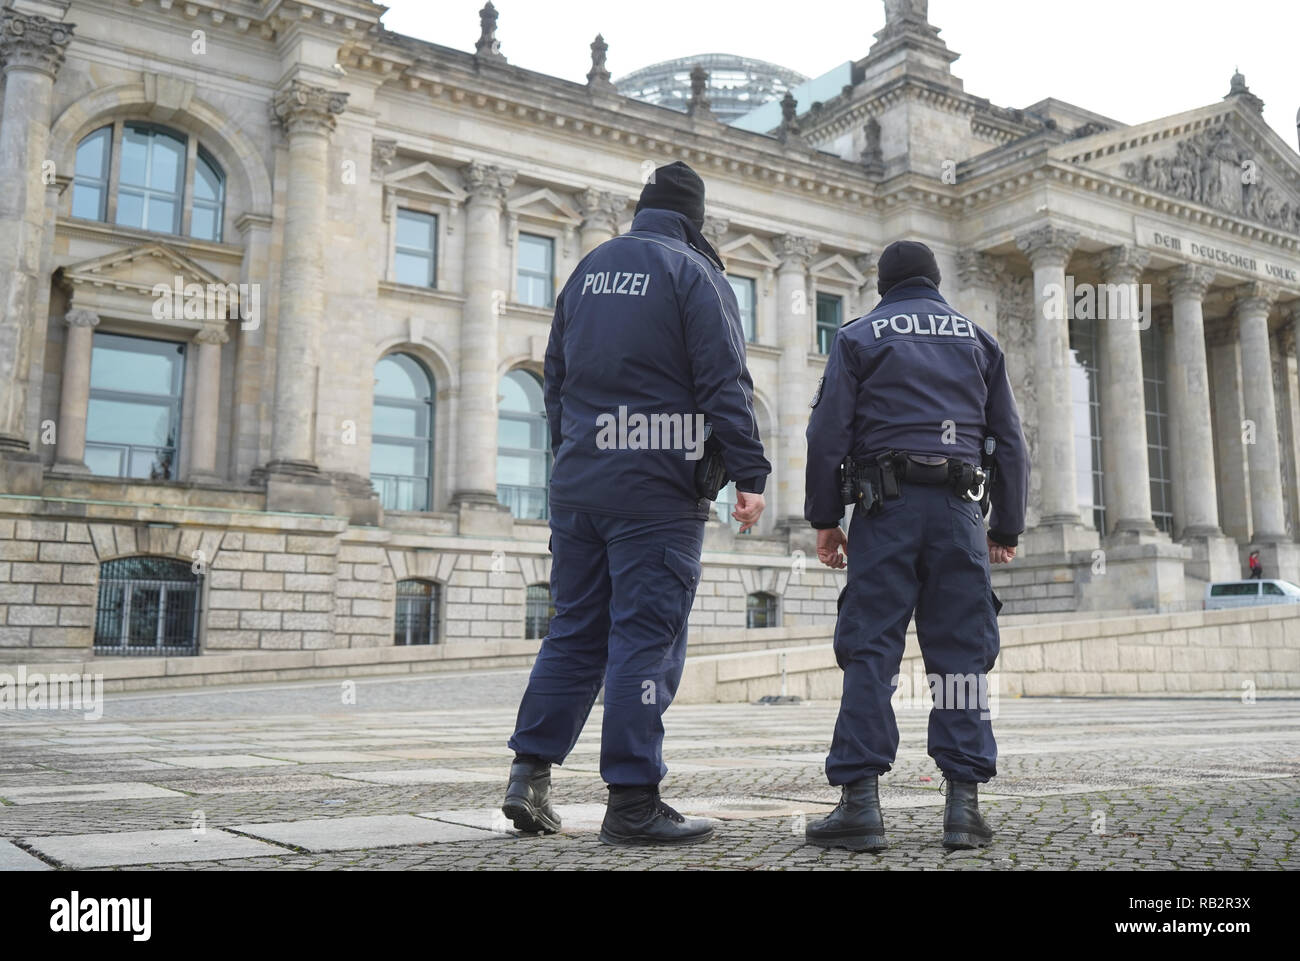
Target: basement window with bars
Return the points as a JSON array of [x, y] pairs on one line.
[[760, 610], [147, 605], [418, 609]]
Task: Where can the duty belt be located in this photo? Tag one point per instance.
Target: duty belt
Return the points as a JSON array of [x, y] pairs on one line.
[[872, 481]]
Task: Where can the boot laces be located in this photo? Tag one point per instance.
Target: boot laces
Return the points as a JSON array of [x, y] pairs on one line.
[[668, 812], [943, 786]]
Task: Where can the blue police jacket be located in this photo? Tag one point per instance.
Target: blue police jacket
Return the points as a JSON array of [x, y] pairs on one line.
[[914, 375], [646, 349]]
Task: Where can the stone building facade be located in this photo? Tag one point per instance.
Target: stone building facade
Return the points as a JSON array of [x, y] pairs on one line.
[[275, 288]]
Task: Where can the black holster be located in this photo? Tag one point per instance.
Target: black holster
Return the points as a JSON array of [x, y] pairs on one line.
[[710, 471]]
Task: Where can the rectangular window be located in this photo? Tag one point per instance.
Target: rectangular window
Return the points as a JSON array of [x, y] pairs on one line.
[[746, 298], [134, 413], [415, 256], [536, 278], [1153, 367], [830, 314]]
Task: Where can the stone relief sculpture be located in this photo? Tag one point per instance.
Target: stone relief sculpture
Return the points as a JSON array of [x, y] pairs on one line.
[[1215, 169]]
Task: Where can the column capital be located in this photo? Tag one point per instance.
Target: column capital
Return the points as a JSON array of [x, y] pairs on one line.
[[601, 209], [1291, 311], [795, 252], [1189, 280], [30, 42], [81, 317], [485, 182], [975, 268], [1047, 245], [1254, 298], [1122, 264], [211, 335], [303, 108]]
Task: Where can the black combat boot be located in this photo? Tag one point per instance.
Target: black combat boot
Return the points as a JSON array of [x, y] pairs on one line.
[[856, 823], [635, 815], [963, 825], [528, 798]]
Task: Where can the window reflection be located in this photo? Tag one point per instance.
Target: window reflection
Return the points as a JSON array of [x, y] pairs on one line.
[[133, 415]]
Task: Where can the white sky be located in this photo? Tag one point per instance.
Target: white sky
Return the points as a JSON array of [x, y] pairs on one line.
[[1132, 60]]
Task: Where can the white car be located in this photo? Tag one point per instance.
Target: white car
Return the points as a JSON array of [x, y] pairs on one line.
[[1249, 593]]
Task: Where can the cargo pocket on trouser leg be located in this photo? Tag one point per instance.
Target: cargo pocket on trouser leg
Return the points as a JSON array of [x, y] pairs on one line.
[[686, 572]]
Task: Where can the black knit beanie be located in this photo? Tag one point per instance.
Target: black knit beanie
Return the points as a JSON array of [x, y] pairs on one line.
[[904, 259], [675, 186]]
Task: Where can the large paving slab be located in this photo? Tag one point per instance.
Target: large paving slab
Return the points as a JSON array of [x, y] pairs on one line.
[[351, 833], [147, 847], [14, 858], [56, 794], [428, 775]]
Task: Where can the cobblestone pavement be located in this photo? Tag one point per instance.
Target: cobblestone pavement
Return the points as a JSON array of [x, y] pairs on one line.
[[410, 776]]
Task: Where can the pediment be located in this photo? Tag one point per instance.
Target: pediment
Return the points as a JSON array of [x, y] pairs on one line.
[[543, 204], [424, 180], [839, 268], [1223, 157], [751, 250], [139, 268]]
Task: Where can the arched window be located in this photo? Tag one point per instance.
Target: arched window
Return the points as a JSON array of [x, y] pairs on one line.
[[419, 607], [148, 188], [147, 605], [524, 446], [760, 610], [538, 611], [401, 433], [209, 198]]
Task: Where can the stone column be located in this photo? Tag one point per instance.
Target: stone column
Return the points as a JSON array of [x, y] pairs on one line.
[[601, 210], [1127, 474], [1291, 382], [794, 320], [1262, 456], [1048, 249], [307, 114], [1227, 412], [74, 391], [32, 51], [207, 404], [1187, 388], [977, 288], [476, 458]]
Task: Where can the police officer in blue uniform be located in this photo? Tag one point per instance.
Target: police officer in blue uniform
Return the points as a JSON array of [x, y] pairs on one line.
[[646, 386], [916, 405]]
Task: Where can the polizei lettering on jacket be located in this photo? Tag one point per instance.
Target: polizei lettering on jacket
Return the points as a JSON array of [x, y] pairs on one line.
[[616, 282], [936, 325]]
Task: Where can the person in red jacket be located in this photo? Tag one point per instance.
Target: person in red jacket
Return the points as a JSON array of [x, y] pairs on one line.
[[1256, 569]]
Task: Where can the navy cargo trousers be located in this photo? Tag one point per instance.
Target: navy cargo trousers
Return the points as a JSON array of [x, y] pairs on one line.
[[924, 552], [623, 588]]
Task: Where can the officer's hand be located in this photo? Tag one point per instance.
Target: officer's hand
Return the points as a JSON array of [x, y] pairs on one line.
[[1000, 554], [831, 545], [749, 507]]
